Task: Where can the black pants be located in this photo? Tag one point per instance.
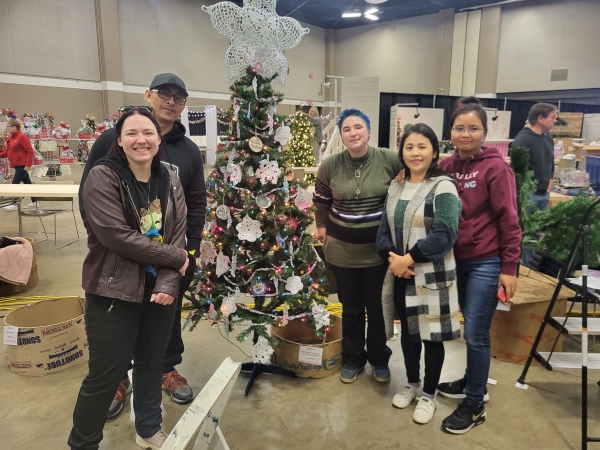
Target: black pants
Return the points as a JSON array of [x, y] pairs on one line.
[[360, 289], [434, 351], [130, 329], [22, 176], [175, 347]]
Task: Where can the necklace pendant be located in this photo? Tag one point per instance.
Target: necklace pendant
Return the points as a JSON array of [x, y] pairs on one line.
[[357, 173], [357, 192]]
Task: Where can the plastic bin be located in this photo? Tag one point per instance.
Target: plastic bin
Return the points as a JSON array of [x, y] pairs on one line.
[[592, 167]]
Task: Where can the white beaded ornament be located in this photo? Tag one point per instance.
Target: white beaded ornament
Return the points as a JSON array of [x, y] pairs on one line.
[[207, 252], [268, 172], [283, 135], [321, 316], [258, 37], [224, 213], [236, 174], [262, 351], [294, 284], [222, 263], [248, 229]]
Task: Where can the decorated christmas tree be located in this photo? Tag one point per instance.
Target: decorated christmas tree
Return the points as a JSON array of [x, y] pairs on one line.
[[301, 145], [256, 240]]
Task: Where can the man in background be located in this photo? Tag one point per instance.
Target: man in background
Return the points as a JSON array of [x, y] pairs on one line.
[[541, 119]]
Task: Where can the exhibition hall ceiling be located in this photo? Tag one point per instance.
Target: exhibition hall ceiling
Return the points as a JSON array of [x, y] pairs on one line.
[[328, 13]]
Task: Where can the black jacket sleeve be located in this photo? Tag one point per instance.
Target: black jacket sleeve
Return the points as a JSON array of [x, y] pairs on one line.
[[195, 199], [99, 150]]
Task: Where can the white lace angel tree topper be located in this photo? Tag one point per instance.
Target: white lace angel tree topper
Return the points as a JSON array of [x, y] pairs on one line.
[[258, 37]]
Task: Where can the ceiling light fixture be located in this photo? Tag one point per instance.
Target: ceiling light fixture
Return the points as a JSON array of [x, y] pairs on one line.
[[352, 14], [369, 16], [371, 11], [375, 2]]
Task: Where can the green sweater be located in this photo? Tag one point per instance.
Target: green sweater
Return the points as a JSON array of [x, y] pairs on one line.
[[352, 223]]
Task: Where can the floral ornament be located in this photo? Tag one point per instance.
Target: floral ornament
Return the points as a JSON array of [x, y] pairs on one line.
[[207, 252], [268, 172], [249, 229], [321, 315], [283, 135], [258, 37], [303, 198], [262, 351], [294, 284], [258, 288]]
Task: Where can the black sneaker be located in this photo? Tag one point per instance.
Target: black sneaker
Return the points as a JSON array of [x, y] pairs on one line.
[[457, 389], [465, 417]]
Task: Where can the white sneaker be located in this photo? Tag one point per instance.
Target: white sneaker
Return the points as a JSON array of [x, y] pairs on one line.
[[11, 207], [152, 443], [405, 397], [32, 205], [424, 410]]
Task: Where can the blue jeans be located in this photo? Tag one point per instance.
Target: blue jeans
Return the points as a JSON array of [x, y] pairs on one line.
[[539, 200], [477, 283]]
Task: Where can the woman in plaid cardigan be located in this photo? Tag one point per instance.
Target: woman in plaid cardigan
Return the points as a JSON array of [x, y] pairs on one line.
[[417, 233]]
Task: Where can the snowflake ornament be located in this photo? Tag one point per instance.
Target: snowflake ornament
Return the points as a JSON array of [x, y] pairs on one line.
[[268, 172], [321, 315], [222, 263], [294, 284], [262, 351], [303, 198], [207, 252], [229, 304], [283, 135], [258, 37], [235, 176], [248, 229]]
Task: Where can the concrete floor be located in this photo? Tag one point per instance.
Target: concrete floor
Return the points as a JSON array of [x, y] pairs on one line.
[[287, 413]]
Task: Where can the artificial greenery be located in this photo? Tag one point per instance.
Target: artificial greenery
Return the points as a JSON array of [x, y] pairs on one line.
[[285, 247], [519, 162], [559, 226]]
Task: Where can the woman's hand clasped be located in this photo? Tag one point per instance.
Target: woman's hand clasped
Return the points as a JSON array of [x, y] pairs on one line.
[[162, 299], [322, 234], [510, 284], [401, 265]]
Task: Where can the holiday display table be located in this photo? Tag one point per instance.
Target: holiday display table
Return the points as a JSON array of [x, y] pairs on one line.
[[515, 327]]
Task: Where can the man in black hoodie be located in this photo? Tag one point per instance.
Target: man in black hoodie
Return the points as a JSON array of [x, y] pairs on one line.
[[541, 119], [167, 96]]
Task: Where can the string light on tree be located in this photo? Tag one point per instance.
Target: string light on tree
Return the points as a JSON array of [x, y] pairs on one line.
[[301, 144]]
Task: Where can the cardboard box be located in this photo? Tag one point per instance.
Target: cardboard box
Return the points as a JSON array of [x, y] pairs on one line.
[[51, 337], [296, 334], [9, 289], [513, 332]]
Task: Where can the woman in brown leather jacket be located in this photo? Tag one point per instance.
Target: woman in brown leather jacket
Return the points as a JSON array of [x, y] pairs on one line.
[[135, 214]]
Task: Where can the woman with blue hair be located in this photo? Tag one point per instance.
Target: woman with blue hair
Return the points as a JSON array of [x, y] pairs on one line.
[[349, 196]]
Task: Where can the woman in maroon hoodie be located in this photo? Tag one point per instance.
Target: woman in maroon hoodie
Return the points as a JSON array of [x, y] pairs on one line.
[[20, 155], [487, 252]]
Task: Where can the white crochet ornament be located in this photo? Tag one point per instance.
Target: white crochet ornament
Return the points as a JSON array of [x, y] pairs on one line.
[[207, 252], [258, 37], [248, 229], [262, 351], [321, 316], [294, 284], [222, 263], [303, 198], [229, 306], [235, 175], [268, 172], [283, 135], [224, 213]]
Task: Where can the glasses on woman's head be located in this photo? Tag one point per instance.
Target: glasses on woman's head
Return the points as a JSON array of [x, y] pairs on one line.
[[166, 94], [127, 109], [469, 130]]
